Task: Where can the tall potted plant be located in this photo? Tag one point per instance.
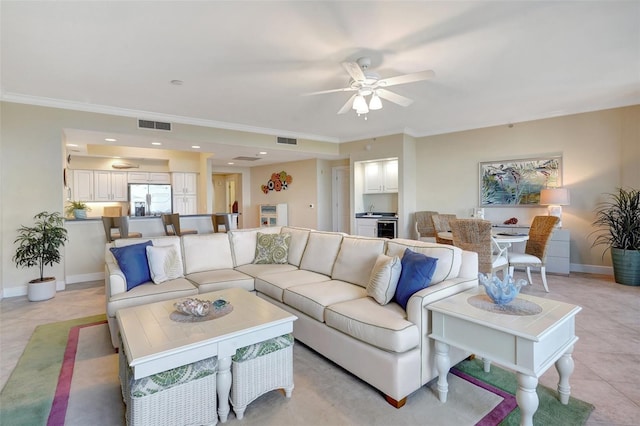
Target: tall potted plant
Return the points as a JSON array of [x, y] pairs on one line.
[[619, 220], [39, 245]]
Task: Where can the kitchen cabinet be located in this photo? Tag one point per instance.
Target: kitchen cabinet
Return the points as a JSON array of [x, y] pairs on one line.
[[184, 183], [185, 204], [83, 185], [148, 177], [381, 177], [367, 227], [184, 187], [109, 186], [273, 214], [558, 251]]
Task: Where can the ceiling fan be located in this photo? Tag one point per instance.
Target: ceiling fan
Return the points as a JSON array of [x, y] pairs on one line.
[[368, 83]]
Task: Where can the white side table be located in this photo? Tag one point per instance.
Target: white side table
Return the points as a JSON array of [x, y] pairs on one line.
[[528, 344]]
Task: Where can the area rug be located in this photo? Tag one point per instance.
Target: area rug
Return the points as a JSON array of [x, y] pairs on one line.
[[67, 375]]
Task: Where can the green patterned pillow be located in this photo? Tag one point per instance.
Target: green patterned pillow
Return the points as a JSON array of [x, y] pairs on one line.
[[176, 376], [272, 248]]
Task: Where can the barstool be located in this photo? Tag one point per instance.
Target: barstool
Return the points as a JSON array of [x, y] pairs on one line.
[[171, 223], [121, 224], [225, 219]]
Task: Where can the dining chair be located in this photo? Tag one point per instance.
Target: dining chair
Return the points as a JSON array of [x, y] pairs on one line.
[[475, 235], [171, 224], [424, 226], [121, 224], [441, 224], [535, 252], [226, 219]]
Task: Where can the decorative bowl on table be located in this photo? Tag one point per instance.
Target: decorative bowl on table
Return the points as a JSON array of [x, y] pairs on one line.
[[194, 307], [501, 292]]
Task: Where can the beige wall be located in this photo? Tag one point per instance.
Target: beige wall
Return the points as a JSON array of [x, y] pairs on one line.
[[302, 192], [599, 150]]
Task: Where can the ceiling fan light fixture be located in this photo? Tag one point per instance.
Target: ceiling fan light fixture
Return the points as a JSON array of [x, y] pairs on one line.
[[360, 103], [363, 109], [375, 103]]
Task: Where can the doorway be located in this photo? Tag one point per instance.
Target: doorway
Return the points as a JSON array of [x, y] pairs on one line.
[[341, 183], [227, 192]]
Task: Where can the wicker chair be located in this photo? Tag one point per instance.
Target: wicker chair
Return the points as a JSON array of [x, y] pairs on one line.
[[475, 235], [441, 224], [535, 253], [424, 226], [171, 223]]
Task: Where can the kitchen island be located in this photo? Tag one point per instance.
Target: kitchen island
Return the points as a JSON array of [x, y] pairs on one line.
[[84, 251]]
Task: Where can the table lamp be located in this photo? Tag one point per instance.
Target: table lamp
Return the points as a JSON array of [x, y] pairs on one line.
[[555, 198]]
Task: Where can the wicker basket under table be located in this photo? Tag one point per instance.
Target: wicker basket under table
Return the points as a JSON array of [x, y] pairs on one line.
[[188, 403], [257, 376]]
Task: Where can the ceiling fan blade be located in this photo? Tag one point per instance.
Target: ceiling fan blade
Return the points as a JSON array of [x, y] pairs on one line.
[[407, 78], [347, 106], [354, 70], [394, 97], [345, 89]]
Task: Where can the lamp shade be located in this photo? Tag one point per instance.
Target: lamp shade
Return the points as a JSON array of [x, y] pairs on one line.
[[554, 197]]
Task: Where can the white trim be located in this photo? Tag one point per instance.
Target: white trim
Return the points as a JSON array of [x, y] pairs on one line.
[[591, 269]]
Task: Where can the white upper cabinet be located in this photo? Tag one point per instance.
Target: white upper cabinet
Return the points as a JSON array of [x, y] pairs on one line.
[[109, 186], [148, 177], [381, 177], [83, 185], [184, 183]]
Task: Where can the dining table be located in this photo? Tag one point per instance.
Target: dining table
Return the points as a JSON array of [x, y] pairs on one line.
[[504, 239]]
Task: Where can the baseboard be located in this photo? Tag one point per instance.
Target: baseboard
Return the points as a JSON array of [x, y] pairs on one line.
[[60, 285], [592, 269]]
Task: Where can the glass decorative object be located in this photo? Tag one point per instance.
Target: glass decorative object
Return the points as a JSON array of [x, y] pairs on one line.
[[501, 292]]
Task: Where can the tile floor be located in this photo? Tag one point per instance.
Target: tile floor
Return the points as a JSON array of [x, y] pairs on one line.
[[607, 356]]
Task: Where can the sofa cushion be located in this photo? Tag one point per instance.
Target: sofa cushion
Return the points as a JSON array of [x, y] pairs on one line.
[[321, 252], [356, 259], [385, 327], [417, 270], [165, 263], [133, 263], [272, 248], [256, 270], [243, 243], [274, 284], [206, 252], [449, 257], [299, 238], [220, 279], [383, 279], [312, 299]]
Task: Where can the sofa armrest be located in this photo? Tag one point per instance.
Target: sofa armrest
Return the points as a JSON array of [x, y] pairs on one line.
[[114, 280]]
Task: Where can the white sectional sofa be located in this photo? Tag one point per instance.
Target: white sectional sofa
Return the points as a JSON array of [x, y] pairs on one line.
[[324, 283]]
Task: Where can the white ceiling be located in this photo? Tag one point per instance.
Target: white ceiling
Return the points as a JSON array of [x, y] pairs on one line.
[[245, 65]]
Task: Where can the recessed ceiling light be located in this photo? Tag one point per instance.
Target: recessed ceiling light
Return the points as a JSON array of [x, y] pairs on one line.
[[110, 139], [71, 144], [231, 163], [263, 153], [156, 143], [195, 146], [177, 82]]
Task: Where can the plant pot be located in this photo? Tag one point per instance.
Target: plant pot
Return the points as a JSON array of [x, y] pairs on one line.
[[41, 290], [80, 214], [626, 266]]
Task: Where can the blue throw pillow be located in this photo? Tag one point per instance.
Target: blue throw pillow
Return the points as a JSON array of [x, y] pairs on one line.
[[132, 260], [417, 271]]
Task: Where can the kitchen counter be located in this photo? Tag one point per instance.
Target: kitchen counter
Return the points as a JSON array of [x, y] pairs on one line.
[[377, 216]]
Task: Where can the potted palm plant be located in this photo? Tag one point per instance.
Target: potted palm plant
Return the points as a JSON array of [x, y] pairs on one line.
[[77, 209], [39, 245], [619, 220]]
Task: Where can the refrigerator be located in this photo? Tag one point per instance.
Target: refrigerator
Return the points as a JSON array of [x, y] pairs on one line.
[[149, 200]]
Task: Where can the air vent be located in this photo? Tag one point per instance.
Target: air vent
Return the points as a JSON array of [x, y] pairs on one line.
[[155, 125], [247, 158], [287, 141]]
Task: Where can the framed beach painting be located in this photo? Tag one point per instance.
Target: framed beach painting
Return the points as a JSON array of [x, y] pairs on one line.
[[518, 182]]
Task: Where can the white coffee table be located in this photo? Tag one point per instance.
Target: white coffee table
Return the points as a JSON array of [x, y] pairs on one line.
[[154, 343], [528, 344]]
